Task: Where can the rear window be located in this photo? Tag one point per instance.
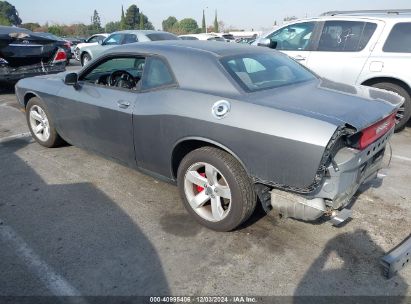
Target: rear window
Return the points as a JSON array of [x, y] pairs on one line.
[[399, 40], [257, 72], [162, 36], [345, 36]]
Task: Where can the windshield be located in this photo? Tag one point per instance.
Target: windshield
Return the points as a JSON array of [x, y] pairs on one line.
[[255, 72]]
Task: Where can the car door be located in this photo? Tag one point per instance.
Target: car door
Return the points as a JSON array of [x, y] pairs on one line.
[[295, 40], [343, 48], [96, 116]]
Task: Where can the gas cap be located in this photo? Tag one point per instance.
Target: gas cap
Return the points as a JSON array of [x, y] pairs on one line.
[[220, 109]]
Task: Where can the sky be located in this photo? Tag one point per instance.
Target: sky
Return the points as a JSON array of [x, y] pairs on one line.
[[240, 14]]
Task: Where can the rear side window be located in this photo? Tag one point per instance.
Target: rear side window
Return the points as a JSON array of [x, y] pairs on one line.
[[399, 40], [129, 38], [156, 74], [345, 36]]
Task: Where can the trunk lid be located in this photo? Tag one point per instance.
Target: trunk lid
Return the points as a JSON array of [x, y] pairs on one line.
[[20, 48], [336, 103]]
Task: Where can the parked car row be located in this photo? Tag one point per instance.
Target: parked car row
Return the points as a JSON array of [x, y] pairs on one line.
[[89, 51], [371, 48]]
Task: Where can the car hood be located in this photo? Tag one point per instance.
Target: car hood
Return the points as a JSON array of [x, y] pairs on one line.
[[336, 103]]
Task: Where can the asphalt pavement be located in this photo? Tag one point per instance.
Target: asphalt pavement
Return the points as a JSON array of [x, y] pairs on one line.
[[74, 223]]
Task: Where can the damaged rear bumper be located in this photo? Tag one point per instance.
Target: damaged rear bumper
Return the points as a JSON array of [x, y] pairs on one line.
[[349, 169], [10, 75], [397, 258]]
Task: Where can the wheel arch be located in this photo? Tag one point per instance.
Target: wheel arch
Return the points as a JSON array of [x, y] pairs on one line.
[[392, 80], [188, 144], [29, 95]]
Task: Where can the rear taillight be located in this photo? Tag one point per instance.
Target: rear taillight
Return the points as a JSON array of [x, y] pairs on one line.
[[60, 56], [377, 130]]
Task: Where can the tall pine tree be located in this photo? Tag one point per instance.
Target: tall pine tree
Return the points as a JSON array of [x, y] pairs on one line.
[[216, 29], [142, 27], [203, 24]]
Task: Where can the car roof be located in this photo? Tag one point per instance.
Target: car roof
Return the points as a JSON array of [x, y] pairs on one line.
[[185, 47], [144, 32]]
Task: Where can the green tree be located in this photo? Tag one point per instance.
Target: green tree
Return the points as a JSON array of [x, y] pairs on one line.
[[30, 26], [290, 18], [56, 30], [113, 27], [132, 18], [142, 23], [96, 21], [8, 14], [188, 26], [216, 30], [4, 21], [123, 19], [203, 24], [169, 23]]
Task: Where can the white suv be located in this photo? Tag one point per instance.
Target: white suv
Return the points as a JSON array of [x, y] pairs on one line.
[[371, 48]]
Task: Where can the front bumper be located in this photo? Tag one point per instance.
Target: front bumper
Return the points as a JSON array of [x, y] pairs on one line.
[[349, 169], [10, 75]]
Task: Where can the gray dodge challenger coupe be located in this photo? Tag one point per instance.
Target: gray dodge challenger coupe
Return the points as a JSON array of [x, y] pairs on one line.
[[230, 124]]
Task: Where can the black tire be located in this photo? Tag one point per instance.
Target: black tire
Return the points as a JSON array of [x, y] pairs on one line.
[[242, 191], [85, 57], [407, 103], [54, 139]]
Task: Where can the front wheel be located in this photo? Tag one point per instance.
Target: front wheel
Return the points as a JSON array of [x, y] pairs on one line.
[[85, 59], [216, 189], [41, 124], [404, 112]]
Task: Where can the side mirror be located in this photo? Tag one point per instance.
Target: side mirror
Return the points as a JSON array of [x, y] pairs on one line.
[[100, 42], [268, 43], [71, 79]]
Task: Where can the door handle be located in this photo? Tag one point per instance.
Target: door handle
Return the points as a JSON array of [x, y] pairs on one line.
[[123, 104], [299, 58]]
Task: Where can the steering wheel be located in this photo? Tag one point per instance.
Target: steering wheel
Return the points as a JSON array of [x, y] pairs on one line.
[[121, 79]]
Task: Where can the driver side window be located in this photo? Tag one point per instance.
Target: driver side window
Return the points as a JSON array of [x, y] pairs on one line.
[[295, 37], [120, 72]]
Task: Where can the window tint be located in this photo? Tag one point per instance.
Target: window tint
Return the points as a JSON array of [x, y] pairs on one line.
[[188, 38], [265, 71], [162, 36], [93, 39], [399, 40], [345, 36], [134, 66], [156, 74], [216, 39], [114, 39], [129, 38], [295, 37]]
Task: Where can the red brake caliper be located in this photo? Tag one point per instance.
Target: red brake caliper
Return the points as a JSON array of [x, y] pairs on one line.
[[199, 188]]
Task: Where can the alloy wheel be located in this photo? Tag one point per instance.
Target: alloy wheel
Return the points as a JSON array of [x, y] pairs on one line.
[[39, 123], [207, 192]]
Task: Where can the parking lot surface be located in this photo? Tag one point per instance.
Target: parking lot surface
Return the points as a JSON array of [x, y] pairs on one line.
[[74, 223]]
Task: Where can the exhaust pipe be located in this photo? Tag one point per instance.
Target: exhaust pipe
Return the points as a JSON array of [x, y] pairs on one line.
[[295, 206]]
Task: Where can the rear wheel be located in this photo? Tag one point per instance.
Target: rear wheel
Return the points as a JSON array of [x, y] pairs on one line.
[[404, 113], [41, 124], [216, 189]]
